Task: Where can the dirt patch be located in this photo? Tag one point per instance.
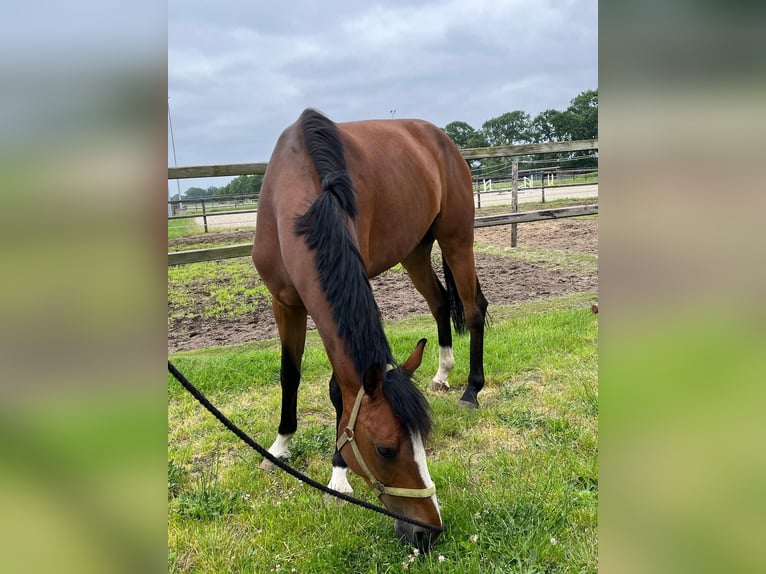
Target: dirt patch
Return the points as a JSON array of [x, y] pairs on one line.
[[222, 237], [569, 235], [503, 280]]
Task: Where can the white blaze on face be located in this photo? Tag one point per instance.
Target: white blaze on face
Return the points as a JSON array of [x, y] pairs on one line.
[[419, 453]]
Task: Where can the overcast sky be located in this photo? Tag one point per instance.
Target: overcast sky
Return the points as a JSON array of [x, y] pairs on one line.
[[240, 71]]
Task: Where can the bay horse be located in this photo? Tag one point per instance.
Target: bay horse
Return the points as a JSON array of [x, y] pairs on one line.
[[341, 203]]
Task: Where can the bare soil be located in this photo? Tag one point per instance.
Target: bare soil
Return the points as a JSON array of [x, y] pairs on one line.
[[503, 279]]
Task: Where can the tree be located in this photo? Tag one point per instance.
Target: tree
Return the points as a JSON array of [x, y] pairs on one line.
[[199, 193], [464, 135], [242, 185], [581, 117], [548, 127], [508, 129]]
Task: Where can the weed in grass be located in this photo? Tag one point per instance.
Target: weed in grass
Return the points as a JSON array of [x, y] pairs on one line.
[[177, 477], [511, 392], [208, 501], [312, 442]]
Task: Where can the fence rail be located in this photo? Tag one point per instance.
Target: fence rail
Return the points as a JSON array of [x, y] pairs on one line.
[[221, 170], [229, 169], [529, 149], [237, 169], [244, 249]]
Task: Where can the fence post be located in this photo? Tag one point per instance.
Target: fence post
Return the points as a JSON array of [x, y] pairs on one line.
[[204, 215], [478, 195], [514, 196], [542, 182]]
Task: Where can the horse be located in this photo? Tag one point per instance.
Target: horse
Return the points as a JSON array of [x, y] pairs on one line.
[[339, 204]]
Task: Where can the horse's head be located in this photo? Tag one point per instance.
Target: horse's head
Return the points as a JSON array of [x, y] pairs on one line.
[[381, 437]]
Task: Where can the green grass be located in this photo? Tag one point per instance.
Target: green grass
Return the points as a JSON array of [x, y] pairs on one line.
[[517, 479], [183, 228], [228, 288], [583, 262]]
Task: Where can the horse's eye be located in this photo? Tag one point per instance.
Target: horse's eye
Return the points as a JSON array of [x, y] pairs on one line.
[[386, 452]]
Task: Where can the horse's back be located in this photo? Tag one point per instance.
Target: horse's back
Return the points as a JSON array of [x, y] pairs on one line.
[[407, 174]]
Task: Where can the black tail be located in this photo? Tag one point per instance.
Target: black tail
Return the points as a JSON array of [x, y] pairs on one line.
[[455, 304], [323, 144], [342, 272]]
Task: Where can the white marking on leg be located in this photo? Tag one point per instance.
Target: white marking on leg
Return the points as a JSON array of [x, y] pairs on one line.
[[339, 480], [446, 362], [419, 452], [280, 448]]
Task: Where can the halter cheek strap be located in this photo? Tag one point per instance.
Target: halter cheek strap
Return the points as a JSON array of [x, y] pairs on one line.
[[347, 436]]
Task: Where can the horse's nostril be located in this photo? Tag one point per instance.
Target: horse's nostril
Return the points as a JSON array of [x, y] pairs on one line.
[[420, 538], [423, 540]]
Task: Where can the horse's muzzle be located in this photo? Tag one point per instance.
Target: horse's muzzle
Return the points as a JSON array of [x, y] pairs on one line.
[[420, 538]]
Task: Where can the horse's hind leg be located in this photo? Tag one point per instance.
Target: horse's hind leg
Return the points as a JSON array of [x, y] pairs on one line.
[[418, 266], [459, 257], [339, 479], [291, 322]]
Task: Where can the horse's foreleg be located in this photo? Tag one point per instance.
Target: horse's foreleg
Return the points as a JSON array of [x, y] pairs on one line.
[[418, 266], [339, 479], [291, 322]]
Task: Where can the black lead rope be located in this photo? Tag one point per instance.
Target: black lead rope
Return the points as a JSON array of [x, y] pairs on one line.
[[288, 469]]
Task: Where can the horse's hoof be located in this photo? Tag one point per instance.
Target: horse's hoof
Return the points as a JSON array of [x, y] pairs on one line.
[[439, 386], [330, 500], [467, 404], [267, 465]]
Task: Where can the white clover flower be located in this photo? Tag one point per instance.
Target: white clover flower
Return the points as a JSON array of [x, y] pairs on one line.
[[474, 538], [554, 541], [441, 558]]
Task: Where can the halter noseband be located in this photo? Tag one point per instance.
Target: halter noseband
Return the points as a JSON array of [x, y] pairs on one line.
[[348, 437]]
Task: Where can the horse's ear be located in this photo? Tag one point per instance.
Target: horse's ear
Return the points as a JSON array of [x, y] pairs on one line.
[[372, 379], [414, 360]]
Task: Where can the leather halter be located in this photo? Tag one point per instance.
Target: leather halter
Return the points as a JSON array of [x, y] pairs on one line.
[[348, 437]]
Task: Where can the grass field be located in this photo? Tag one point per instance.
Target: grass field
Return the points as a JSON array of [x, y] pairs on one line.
[[516, 480], [182, 228]]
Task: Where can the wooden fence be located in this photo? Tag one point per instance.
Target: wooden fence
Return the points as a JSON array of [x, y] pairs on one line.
[[233, 169], [243, 250]]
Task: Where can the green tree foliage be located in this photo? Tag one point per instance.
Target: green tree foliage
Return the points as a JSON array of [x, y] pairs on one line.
[[242, 185], [464, 135], [548, 126], [579, 121], [508, 129], [199, 193], [582, 116]]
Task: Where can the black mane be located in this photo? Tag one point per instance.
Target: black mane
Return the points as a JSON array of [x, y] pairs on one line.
[[407, 402], [342, 273]]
